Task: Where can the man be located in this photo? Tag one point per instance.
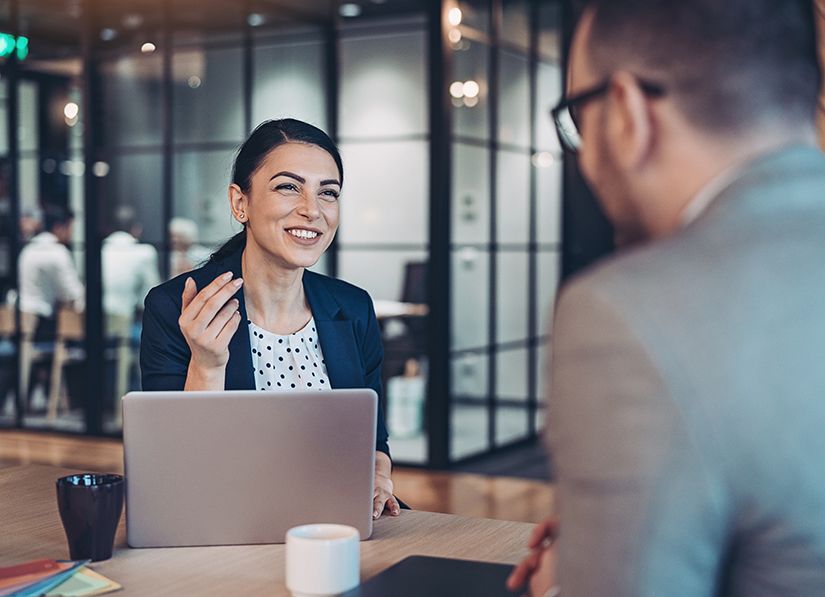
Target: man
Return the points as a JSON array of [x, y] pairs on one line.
[[187, 254], [130, 268], [47, 272], [687, 404]]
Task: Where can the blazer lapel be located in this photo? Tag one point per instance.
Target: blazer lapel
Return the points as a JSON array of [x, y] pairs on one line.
[[341, 354], [239, 373], [336, 333]]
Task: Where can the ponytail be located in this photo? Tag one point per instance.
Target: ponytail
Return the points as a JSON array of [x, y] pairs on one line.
[[233, 245]]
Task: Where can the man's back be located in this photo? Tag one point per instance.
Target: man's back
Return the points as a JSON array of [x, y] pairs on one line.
[[687, 406], [47, 276], [130, 271]]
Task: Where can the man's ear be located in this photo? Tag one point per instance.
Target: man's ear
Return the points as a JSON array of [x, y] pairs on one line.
[[630, 129]]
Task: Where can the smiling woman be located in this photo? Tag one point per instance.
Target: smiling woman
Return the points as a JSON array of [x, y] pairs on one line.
[[253, 317]]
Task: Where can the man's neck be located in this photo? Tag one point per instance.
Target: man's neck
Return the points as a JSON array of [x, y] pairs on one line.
[[700, 172]]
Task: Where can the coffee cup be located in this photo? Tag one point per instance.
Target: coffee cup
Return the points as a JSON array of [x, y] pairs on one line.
[[90, 505], [322, 559]]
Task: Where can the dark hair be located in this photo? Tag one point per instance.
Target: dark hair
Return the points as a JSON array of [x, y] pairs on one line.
[[729, 65], [267, 136], [124, 219], [55, 215]]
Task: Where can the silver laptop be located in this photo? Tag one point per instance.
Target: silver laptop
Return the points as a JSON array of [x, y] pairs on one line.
[[239, 467]]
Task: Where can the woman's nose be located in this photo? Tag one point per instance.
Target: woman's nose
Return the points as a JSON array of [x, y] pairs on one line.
[[309, 206]]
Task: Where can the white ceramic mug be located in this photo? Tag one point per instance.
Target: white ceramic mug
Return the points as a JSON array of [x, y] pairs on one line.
[[322, 559]]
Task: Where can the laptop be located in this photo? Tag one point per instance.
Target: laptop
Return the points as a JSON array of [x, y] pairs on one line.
[[242, 467], [437, 577]]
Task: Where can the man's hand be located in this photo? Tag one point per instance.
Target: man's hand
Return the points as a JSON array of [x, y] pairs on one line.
[[538, 570]]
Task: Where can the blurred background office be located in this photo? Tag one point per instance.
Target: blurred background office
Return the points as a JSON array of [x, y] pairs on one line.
[[459, 214]]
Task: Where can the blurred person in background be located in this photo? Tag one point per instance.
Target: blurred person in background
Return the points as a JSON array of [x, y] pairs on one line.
[[47, 273], [31, 224], [130, 268], [686, 410], [187, 254]]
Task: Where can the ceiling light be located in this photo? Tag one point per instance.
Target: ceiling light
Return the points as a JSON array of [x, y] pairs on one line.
[[194, 81], [71, 110], [349, 10], [100, 169], [255, 19], [454, 16], [132, 21], [454, 36], [457, 89], [148, 47], [543, 159], [471, 89]]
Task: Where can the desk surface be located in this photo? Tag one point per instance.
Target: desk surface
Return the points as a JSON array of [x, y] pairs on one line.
[[30, 528]]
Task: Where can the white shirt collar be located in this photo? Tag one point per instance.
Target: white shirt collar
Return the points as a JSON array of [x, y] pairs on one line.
[[120, 237], [712, 189], [44, 237]]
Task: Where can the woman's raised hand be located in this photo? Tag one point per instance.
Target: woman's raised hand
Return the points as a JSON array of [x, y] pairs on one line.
[[208, 320]]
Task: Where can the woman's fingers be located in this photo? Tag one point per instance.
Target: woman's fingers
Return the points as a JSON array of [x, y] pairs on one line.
[[382, 500], [209, 319], [190, 290], [229, 329], [213, 306], [378, 504], [216, 326], [393, 506], [206, 304]]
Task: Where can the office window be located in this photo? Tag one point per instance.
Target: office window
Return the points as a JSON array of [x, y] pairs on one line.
[[384, 234], [207, 95], [289, 81]]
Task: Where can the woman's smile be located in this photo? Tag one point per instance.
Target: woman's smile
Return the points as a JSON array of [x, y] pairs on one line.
[[306, 237]]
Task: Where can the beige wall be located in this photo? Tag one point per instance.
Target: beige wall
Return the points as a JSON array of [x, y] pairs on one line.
[[820, 6]]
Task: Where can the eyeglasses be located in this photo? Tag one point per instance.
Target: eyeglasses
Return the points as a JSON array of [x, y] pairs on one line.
[[566, 114]]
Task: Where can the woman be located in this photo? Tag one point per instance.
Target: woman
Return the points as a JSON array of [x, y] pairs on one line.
[[253, 317]]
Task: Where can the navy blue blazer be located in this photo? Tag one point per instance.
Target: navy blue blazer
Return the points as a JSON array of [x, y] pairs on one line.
[[344, 317]]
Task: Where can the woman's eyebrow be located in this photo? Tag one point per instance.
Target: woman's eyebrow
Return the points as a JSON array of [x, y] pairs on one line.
[[300, 179], [303, 180]]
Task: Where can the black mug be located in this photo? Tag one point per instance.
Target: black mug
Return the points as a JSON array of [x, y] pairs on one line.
[[90, 505]]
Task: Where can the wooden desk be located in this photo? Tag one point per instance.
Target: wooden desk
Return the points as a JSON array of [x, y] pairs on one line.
[[387, 309], [30, 528]]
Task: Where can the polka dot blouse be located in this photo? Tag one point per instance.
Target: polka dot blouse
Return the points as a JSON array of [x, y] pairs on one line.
[[292, 362]]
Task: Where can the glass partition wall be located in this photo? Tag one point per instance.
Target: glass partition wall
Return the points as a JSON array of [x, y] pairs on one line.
[[505, 221], [127, 115]]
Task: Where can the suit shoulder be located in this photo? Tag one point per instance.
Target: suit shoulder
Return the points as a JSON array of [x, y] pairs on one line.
[[630, 274]]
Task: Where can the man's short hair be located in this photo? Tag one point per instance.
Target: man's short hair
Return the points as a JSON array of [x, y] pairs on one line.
[[125, 218], [55, 215], [728, 64]]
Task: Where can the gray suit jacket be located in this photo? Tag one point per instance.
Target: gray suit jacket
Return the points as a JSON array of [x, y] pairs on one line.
[[687, 401]]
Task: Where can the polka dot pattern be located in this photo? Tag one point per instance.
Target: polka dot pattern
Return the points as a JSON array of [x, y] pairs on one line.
[[278, 360]]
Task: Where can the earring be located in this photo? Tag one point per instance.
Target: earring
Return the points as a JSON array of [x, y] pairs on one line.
[[241, 217]]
